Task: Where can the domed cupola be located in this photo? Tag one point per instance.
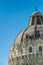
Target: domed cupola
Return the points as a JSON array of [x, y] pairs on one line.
[[36, 18], [28, 45]]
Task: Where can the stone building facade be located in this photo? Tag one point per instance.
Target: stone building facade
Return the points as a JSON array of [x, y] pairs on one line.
[[28, 46]]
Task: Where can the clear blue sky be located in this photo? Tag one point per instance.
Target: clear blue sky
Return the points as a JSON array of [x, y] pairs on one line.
[[14, 17]]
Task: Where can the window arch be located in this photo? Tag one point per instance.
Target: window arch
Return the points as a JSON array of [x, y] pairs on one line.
[[40, 48], [38, 20], [37, 34], [27, 37], [30, 49], [33, 19]]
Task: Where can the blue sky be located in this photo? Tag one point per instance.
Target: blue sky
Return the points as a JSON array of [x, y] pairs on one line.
[[14, 17]]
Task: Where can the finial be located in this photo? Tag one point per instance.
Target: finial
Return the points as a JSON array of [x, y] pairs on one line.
[[35, 8]]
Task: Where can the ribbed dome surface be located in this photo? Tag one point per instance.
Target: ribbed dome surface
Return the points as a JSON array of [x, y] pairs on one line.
[[18, 39], [28, 45]]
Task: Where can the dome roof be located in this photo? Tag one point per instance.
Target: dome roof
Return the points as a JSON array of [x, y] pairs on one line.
[[36, 13], [28, 31], [27, 42], [18, 38]]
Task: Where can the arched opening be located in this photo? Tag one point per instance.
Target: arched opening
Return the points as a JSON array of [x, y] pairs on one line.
[[37, 35], [30, 49], [40, 48], [33, 20], [22, 57], [27, 37], [38, 20]]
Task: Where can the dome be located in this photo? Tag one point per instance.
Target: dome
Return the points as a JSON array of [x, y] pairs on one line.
[[36, 18], [28, 45], [18, 39], [36, 13]]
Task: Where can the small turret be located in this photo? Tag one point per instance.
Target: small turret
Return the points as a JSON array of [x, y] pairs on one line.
[[36, 18]]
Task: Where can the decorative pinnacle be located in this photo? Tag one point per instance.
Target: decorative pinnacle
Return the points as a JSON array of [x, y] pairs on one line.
[[35, 8]]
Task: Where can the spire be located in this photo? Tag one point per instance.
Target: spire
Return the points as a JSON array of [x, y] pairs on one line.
[[36, 9]]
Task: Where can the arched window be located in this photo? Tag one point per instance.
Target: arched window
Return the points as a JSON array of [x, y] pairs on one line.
[[37, 34], [33, 20], [30, 49], [38, 20], [17, 58], [40, 48], [27, 37], [22, 57]]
